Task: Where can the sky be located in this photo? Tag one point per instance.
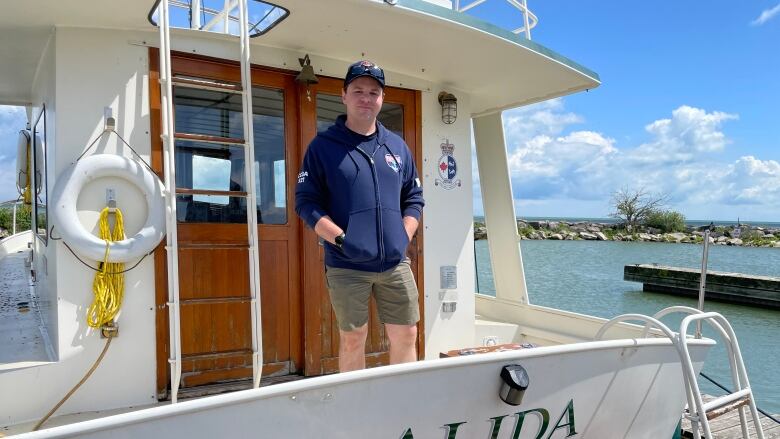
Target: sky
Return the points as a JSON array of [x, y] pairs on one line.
[[689, 108]]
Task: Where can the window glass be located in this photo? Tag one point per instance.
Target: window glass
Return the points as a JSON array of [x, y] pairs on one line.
[[220, 16], [212, 166], [211, 113], [40, 209]]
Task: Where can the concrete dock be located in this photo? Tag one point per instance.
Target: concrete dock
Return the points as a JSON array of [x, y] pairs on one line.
[[738, 288]]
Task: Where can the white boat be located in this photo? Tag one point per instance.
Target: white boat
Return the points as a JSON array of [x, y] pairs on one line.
[[238, 289]]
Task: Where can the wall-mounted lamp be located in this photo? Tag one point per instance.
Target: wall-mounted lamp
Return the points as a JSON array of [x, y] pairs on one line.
[[449, 107], [306, 76]]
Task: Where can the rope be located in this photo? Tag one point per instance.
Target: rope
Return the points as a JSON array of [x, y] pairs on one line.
[[76, 387], [109, 284]]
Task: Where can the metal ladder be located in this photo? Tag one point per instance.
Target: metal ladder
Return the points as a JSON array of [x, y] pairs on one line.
[[698, 412], [169, 164]]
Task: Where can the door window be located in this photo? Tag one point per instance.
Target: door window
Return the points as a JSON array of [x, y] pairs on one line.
[[210, 156]]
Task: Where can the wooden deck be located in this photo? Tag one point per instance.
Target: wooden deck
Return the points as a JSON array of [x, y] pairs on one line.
[[727, 426], [763, 291]]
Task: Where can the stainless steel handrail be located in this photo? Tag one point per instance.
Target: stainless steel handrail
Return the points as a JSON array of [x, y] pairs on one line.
[[530, 20]]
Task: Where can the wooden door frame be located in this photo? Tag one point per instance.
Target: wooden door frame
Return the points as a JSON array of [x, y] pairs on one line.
[[225, 70], [312, 280]]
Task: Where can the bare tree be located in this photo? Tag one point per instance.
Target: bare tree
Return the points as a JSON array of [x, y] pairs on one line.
[[634, 205]]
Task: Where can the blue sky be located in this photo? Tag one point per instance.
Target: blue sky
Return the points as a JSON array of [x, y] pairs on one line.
[[689, 106]]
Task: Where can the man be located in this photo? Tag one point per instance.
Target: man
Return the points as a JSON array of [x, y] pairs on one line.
[[358, 189]]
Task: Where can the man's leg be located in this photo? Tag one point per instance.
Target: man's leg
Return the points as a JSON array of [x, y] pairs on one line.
[[403, 348], [352, 349]]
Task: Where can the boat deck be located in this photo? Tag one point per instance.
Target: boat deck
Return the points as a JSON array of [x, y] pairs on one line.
[[727, 426], [23, 341]]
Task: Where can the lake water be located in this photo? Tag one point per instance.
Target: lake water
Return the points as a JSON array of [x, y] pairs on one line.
[[587, 277]]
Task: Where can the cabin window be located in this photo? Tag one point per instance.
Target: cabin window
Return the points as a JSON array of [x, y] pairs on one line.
[[220, 16], [329, 107], [210, 156], [39, 165]]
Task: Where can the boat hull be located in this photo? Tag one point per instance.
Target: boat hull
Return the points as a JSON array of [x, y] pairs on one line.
[[609, 389]]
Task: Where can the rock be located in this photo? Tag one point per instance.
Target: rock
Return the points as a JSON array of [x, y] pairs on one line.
[[769, 236], [685, 240], [677, 236], [537, 224], [734, 241], [521, 224], [776, 244], [617, 237], [588, 236], [480, 233], [553, 225], [593, 229], [653, 231], [628, 238], [533, 235], [601, 236], [645, 237], [721, 239], [556, 236]]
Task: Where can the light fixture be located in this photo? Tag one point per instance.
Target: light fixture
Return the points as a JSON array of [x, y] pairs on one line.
[[449, 107], [306, 76]]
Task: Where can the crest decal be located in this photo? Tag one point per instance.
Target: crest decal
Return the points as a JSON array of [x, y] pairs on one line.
[[393, 162], [447, 167]]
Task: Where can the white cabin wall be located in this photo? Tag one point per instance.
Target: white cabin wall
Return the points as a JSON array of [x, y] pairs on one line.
[[44, 94], [83, 72], [448, 222]]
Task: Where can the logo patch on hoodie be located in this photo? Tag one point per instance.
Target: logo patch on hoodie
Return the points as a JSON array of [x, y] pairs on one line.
[[393, 162]]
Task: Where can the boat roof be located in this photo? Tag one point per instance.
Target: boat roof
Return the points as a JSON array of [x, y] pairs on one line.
[[414, 38]]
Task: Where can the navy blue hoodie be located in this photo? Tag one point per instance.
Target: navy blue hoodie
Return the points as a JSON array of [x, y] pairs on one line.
[[366, 185]]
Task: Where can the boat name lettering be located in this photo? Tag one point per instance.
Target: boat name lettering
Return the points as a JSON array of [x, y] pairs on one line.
[[565, 421]]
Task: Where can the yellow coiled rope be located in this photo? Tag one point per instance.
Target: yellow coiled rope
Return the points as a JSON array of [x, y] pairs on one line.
[[109, 284]]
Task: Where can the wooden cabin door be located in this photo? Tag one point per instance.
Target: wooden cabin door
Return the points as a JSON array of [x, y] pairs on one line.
[[216, 330], [400, 114]]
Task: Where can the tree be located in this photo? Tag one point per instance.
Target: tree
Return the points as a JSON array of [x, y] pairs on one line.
[[667, 221], [633, 206]]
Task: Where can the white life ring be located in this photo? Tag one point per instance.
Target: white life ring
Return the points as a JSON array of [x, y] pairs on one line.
[[22, 144], [65, 216]]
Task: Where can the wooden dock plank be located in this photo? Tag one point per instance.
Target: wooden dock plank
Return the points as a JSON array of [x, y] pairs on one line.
[[721, 286], [727, 426]]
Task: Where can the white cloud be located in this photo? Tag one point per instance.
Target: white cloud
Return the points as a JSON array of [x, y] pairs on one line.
[[681, 158], [766, 15]]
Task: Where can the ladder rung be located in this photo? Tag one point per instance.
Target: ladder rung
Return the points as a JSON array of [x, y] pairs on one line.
[[210, 139], [205, 84], [727, 403]]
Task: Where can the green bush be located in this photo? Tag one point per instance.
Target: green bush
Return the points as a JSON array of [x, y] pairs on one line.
[[22, 218], [668, 221]]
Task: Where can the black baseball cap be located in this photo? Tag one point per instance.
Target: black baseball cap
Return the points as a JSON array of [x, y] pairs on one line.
[[364, 68]]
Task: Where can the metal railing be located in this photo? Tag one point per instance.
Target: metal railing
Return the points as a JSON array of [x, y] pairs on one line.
[[529, 19]]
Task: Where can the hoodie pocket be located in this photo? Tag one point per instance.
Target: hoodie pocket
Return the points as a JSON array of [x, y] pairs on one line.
[[394, 235], [360, 243]]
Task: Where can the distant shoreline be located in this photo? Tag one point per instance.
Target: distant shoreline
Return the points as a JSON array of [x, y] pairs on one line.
[[692, 223], [743, 234]]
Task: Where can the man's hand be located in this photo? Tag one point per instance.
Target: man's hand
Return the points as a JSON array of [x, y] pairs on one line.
[[410, 224], [328, 230]]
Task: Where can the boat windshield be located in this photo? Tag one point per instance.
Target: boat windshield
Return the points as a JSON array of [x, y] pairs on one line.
[[221, 16]]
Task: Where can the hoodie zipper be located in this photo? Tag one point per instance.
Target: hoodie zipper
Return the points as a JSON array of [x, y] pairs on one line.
[[380, 234]]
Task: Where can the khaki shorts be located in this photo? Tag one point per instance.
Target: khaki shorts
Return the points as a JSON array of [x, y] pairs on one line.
[[394, 290]]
